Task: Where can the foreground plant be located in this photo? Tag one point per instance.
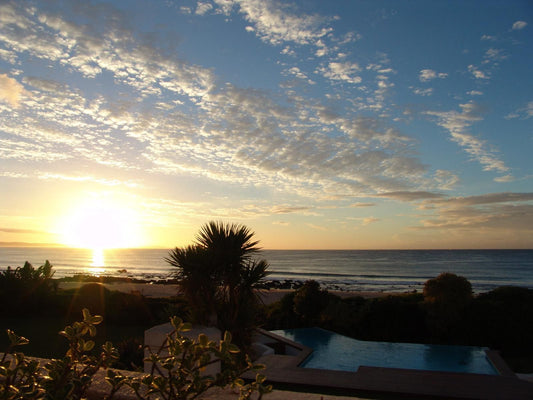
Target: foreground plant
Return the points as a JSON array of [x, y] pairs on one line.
[[71, 376], [178, 368], [19, 376]]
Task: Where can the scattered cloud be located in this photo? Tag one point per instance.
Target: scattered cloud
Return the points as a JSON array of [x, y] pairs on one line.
[[505, 178], [494, 211], [518, 25], [522, 113], [11, 90], [288, 209], [422, 92], [317, 227], [277, 23], [409, 196], [446, 179], [21, 231], [493, 55], [341, 71], [150, 114], [295, 71], [477, 73], [357, 205], [457, 123], [203, 8], [426, 75], [489, 198], [502, 218], [369, 220], [88, 178]]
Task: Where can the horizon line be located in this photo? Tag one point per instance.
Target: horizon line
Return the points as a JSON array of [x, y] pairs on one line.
[[62, 246]]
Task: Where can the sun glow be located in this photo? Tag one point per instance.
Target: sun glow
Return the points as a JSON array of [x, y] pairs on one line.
[[99, 224], [98, 258]]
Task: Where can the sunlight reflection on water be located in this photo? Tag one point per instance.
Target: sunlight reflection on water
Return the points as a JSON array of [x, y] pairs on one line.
[[98, 258]]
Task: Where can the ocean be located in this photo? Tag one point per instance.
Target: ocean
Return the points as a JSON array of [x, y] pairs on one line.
[[365, 270]]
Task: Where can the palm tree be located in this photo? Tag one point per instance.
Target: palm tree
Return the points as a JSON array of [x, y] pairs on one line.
[[195, 274], [218, 274]]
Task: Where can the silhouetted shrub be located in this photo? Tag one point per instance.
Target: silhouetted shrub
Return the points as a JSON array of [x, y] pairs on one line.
[[448, 288], [507, 314], [26, 289], [280, 315], [117, 307], [93, 296], [309, 302], [395, 318], [128, 308], [446, 298]]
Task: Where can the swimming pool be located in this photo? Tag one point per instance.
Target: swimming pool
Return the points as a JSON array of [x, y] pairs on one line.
[[337, 352]]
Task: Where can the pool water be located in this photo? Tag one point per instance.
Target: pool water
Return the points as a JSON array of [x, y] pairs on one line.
[[337, 352]]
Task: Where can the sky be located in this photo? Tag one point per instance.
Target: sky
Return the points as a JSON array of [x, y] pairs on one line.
[[317, 124]]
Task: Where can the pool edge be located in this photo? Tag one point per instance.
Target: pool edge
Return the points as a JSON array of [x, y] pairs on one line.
[[499, 363]]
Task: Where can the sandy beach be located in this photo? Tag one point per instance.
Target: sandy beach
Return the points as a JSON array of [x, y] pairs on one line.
[[155, 290]]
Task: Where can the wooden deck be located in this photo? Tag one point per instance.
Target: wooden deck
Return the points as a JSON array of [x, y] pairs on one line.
[[394, 382]]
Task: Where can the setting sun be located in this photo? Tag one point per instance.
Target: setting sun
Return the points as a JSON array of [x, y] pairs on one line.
[[101, 224]]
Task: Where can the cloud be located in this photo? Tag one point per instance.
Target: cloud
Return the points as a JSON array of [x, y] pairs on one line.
[[422, 92], [341, 71], [21, 231], [173, 119], [288, 209], [316, 227], [426, 75], [281, 223], [357, 205], [203, 8], [518, 25], [295, 71], [477, 73], [457, 124], [446, 179], [409, 196], [498, 218], [11, 90], [369, 220], [489, 198], [88, 178], [493, 55], [475, 93], [94, 48], [505, 178], [522, 113], [277, 23], [493, 211]]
